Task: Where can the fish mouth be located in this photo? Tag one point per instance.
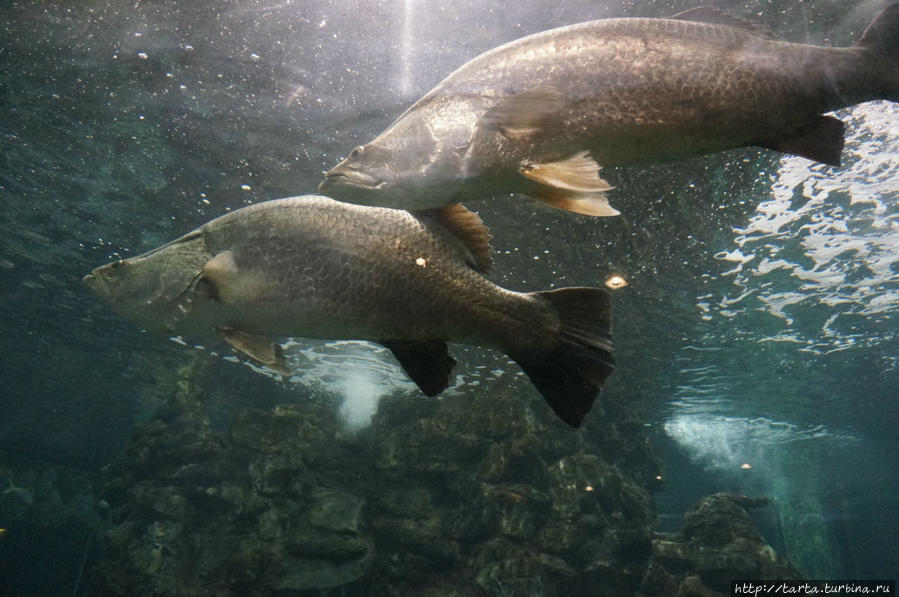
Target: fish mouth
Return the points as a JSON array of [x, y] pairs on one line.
[[338, 176], [96, 283]]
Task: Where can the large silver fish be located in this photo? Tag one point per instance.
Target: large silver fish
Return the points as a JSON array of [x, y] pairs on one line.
[[540, 115], [317, 268]]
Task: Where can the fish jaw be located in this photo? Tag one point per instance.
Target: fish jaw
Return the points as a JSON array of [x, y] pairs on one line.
[[109, 283], [96, 283], [352, 185], [349, 184]]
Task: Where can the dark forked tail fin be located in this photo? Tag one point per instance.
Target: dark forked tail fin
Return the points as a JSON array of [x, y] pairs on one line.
[[882, 36], [571, 374]]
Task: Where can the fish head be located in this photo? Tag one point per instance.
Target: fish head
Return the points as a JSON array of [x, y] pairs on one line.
[[361, 177], [417, 163], [20, 493], [154, 289]]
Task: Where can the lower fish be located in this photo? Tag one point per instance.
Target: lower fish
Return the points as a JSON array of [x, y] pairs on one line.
[[313, 267]]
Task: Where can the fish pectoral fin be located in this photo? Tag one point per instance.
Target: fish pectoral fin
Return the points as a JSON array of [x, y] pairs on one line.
[[572, 184], [426, 362], [257, 347], [221, 273], [468, 227], [228, 283], [821, 140], [520, 115]]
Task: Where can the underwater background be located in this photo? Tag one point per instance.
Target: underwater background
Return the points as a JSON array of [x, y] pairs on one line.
[[756, 341]]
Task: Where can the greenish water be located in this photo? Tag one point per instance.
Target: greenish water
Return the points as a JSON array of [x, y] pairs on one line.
[[759, 327]]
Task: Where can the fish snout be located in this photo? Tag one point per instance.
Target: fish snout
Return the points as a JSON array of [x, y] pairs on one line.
[[343, 175], [365, 168], [96, 283]]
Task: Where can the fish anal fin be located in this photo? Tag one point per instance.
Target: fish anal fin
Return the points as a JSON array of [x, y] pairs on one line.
[[572, 184], [521, 114], [426, 362], [468, 227], [716, 16], [821, 140], [257, 347]]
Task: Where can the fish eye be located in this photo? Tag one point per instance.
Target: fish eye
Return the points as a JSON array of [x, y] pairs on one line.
[[357, 151]]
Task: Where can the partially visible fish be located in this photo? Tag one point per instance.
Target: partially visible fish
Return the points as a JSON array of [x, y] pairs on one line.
[[18, 492], [540, 115], [313, 267]]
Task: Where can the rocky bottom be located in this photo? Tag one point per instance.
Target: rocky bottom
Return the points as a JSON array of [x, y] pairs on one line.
[[462, 496]]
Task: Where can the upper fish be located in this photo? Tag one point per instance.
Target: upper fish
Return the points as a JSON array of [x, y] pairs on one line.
[[542, 114], [317, 268]]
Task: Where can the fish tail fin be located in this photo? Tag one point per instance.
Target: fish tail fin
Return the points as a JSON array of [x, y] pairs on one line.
[[572, 373], [882, 38]]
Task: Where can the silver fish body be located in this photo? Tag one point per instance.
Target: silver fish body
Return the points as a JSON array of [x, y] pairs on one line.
[[540, 115], [317, 268]]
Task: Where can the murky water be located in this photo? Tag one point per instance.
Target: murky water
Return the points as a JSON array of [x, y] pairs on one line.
[[757, 339]]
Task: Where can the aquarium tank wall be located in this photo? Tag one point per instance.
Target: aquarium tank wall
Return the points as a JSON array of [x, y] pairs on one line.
[[748, 430]]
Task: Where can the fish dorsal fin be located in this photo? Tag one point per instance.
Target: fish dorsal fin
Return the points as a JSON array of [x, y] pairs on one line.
[[716, 16], [521, 114], [572, 184], [468, 227], [257, 347], [426, 362]]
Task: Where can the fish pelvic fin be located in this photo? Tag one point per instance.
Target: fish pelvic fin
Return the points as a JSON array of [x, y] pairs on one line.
[[426, 362], [821, 140], [259, 348], [882, 38], [468, 227], [572, 184], [571, 374]]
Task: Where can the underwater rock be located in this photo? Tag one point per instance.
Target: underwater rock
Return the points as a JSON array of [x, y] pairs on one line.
[[334, 510], [517, 459], [717, 543], [503, 568], [239, 536], [516, 510], [428, 500], [316, 577]]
